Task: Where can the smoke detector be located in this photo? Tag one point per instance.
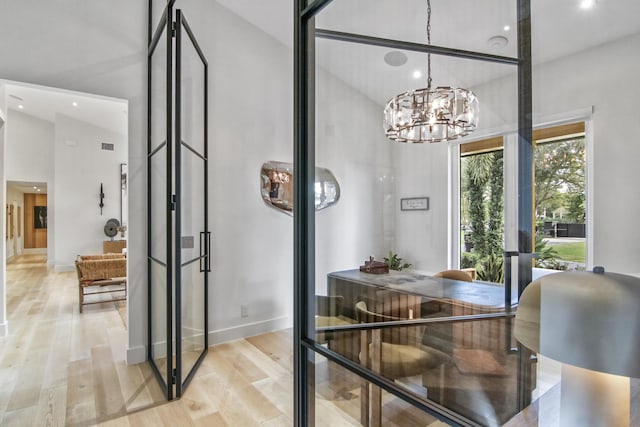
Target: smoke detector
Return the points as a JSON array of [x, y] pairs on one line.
[[497, 42]]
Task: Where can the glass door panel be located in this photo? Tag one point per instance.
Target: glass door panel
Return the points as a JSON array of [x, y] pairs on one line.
[[159, 213], [192, 261], [156, 9], [157, 260]]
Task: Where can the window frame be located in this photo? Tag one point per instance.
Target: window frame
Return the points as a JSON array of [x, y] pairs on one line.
[[578, 124]]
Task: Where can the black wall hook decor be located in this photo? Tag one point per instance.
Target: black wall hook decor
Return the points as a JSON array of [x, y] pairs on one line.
[[101, 199]]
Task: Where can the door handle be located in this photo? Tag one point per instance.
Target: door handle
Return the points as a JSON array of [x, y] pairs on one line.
[[208, 263], [203, 239], [205, 251]]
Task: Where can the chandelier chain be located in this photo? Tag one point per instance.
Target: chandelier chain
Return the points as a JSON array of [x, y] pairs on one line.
[[429, 43], [431, 115]]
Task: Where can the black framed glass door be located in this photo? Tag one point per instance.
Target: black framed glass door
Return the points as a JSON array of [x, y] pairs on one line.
[[192, 260], [370, 327], [178, 239]]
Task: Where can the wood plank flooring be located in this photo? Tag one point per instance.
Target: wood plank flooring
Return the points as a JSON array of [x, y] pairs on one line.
[[59, 367]]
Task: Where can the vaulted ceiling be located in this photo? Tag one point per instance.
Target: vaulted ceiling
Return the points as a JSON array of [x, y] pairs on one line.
[[559, 28]]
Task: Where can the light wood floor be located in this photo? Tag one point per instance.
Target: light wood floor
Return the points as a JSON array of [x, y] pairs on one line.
[[59, 367]]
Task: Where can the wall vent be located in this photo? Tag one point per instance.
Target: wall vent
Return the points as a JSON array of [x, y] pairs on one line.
[[107, 146]]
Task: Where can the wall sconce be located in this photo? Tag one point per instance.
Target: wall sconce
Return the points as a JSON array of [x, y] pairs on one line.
[[101, 199], [590, 322]]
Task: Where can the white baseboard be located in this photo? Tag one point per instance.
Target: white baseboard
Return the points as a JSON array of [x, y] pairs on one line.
[[249, 330], [4, 329], [136, 355], [60, 268], [159, 350], [32, 251], [139, 354]]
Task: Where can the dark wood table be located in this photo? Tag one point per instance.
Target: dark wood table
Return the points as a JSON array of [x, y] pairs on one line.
[[483, 296], [482, 370]]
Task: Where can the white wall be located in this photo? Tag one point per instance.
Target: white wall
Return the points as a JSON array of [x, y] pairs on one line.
[[29, 150], [251, 121], [3, 114], [350, 142], [29, 157], [422, 236], [15, 245], [79, 171]]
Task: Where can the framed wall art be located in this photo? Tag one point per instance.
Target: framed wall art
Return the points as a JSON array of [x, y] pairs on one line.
[[414, 204], [39, 217]]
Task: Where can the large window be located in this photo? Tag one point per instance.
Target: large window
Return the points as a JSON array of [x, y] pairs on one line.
[[482, 210], [560, 200], [559, 205]]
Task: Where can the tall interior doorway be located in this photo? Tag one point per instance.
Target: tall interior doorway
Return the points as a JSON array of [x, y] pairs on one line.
[[26, 225], [62, 150]]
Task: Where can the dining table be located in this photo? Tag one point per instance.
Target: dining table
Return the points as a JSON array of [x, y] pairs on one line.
[[480, 350]]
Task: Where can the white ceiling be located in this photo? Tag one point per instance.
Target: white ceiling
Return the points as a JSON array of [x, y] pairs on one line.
[[44, 103], [559, 28], [28, 187]]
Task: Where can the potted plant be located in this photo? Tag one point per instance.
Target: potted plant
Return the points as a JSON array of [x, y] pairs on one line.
[[395, 262]]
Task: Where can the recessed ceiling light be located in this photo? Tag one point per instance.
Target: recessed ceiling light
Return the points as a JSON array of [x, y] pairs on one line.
[[38, 190], [587, 4], [417, 74], [74, 103], [506, 28], [20, 106], [35, 188]]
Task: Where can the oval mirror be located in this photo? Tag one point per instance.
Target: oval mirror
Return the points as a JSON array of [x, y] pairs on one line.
[[277, 187]]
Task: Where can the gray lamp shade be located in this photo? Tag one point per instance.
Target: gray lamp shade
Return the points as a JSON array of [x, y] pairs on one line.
[[584, 319]]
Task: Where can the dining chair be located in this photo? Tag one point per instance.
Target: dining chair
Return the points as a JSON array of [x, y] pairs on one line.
[[329, 312], [395, 354]]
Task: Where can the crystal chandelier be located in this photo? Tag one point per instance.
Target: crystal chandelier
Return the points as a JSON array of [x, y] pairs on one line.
[[431, 115]]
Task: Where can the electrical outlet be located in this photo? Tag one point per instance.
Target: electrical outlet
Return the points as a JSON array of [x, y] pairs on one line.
[[244, 311]]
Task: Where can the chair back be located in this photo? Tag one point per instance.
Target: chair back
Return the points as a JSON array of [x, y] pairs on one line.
[[394, 335], [460, 275], [366, 316]]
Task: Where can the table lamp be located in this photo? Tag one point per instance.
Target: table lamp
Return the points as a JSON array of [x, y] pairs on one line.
[[589, 321]]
